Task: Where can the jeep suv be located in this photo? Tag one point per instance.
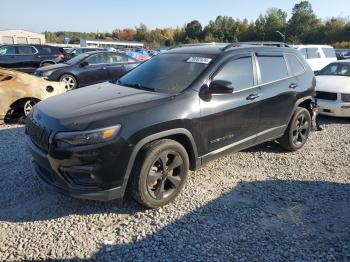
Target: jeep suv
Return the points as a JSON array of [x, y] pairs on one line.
[[27, 58], [171, 114]]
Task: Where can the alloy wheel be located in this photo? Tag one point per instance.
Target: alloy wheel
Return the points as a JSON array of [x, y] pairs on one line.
[[165, 175], [300, 130], [28, 107], [69, 82]]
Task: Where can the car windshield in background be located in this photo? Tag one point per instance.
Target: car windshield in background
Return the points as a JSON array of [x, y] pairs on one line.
[[337, 69], [76, 59], [166, 73]]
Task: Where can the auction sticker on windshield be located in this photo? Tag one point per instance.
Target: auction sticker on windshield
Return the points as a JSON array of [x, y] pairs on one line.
[[199, 60]]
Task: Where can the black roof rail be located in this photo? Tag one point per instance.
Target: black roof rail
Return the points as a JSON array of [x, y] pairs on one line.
[[257, 43], [198, 44]]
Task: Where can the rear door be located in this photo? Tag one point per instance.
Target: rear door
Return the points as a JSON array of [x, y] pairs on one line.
[[279, 89], [230, 121], [8, 58], [96, 70]]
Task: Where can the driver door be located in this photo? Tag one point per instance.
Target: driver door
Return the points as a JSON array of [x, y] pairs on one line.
[[229, 122], [95, 71]]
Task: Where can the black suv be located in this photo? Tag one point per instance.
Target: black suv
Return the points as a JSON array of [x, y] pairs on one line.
[[27, 58], [171, 114]]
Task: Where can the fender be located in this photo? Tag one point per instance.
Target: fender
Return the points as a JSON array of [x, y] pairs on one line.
[[148, 139], [297, 103]]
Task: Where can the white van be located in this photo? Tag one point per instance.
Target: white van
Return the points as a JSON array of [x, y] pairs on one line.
[[318, 56]]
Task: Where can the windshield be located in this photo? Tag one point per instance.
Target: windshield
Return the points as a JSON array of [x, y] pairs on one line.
[[76, 59], [166, 73], [337, 69]]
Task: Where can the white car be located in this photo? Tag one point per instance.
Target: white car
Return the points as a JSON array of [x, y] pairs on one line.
[[333, 89], [317, 56]]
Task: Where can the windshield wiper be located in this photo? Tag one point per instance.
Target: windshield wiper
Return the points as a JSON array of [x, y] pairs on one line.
[[138, 86]]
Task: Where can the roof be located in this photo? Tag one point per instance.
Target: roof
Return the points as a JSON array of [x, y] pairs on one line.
[[219, 48]]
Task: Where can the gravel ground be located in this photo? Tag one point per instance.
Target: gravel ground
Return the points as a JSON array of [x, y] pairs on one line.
[[262, 204]]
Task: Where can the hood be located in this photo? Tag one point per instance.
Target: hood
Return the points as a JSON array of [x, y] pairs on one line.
[[95, 103], [52, 67], [334, 84]]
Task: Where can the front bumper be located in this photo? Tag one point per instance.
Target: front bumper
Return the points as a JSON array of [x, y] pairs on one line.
[[333, 108], [50, 171]]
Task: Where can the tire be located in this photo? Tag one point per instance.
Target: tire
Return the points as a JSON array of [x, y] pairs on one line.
[[70, 81], [159, 173], [297, 131]]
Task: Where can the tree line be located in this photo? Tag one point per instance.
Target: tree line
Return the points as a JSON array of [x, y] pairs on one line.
[[303, 27]]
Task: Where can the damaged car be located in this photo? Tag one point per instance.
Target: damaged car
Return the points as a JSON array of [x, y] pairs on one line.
[[19, 92]]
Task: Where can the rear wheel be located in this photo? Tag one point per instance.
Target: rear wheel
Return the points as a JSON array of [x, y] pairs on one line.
[[298, 130], [160, 173], [69, 81]]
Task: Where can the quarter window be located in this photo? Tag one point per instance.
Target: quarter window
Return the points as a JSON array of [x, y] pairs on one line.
[[295, 66], [272, 68], [329, 52], [239, 72]]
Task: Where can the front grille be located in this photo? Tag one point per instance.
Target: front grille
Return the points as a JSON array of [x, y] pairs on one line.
[[39, 135], [326, 95]]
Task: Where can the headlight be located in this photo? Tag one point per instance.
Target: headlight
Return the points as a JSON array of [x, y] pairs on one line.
[[345, 97], [89, 137], [47, 73]]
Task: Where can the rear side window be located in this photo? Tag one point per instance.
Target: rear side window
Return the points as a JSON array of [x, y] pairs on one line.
[[239, 72], [295, 66], [25, 50], [97, 59], [272, 68], [46, 50], [313, 53], [329, 52]]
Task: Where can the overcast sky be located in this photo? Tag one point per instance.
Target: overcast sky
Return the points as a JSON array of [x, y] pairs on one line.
[[106, 15]]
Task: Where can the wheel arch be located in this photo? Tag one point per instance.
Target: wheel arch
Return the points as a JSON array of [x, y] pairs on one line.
[[47, 61], [16, 107], [180, 135]]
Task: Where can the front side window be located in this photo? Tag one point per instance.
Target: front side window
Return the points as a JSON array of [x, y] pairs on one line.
[[336, 69], [167, 73], [295, 66], [117, 58], [313, 53], [97, 59], [272, 68], [239, 72], [25, 50], [7, 50], [329, 52], [303, 52]]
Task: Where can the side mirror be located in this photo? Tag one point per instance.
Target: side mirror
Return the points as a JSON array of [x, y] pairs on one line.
[[83, 64], [220, 87]]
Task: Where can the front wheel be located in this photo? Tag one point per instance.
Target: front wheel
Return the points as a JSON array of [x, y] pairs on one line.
[[69, 81], [160, 173], [298, 130]]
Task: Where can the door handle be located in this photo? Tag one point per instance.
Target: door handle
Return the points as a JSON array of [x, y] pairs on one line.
[[104, 68], [293, 85], [252, 96]]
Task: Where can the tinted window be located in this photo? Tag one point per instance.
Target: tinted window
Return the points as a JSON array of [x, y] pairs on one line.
[[313, 53], [97, 59], [25, 50], [7, 50], [295, 66], [45, 50], [76, 59], [167, 73], [116, 58], [303, 52], [239, 72], [329, 52], [272, 68], [336, 69]]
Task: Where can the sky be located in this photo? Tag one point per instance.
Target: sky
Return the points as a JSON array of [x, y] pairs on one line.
[[107, 15]]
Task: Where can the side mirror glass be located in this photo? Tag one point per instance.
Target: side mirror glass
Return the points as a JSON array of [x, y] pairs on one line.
[[220, 87], [85, 63]]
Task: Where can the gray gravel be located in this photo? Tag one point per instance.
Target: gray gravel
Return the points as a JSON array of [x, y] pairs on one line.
[[262, 204]]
